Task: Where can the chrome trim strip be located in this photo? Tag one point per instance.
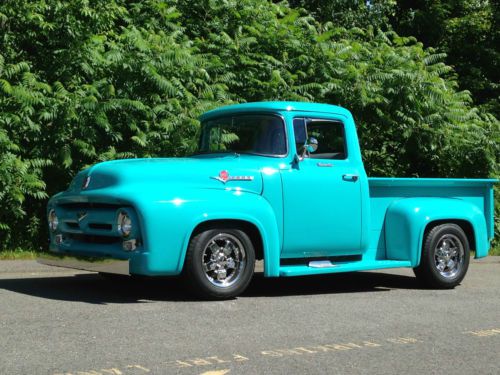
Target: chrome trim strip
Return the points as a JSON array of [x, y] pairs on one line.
[[93, 264], [233, 178]]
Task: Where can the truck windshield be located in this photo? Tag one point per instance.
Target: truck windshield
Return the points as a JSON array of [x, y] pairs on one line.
[[244, 134]]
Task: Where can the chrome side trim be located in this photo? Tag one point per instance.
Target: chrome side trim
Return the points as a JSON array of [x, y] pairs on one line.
[[106, 265], [235, 178]]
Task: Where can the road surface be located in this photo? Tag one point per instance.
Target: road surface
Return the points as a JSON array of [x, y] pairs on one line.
[[57, 321]]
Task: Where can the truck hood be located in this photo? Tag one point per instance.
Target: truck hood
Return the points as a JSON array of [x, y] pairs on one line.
[[228, 171]]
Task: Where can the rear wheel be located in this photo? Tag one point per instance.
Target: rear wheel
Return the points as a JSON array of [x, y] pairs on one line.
[[445, 257], [219, 263]]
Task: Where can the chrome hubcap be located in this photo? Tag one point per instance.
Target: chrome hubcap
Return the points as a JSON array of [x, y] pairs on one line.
[[223, 260], [449, 256]]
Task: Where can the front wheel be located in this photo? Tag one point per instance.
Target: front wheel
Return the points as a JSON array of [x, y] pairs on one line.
[[445, 257], [219, 263]]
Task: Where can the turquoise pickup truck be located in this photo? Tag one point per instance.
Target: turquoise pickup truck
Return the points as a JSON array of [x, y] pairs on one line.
[[281, 182]]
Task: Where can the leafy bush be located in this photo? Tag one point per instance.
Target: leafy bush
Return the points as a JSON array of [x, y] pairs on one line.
[[412, 120], [20, 169], [87, 81]]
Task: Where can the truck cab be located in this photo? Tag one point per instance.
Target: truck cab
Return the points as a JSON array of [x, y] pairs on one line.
[[279, 181]]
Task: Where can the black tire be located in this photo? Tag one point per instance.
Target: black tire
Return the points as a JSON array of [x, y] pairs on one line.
[[444, 245], [113, 276], [223, 282]]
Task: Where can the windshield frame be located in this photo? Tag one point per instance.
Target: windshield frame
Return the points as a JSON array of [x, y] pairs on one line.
[[242, 114]]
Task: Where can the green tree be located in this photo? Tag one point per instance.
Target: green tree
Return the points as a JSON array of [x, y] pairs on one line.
[[97, 85], [93, 80], [413, 121], [468, 32], [21, 95], [350, 13]]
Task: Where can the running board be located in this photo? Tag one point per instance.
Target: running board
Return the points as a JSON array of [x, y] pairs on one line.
[[322, 267], [321, 264]]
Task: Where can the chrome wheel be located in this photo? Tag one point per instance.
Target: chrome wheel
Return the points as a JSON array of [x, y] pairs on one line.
[[445, 256], [449, 256], [223, 260]]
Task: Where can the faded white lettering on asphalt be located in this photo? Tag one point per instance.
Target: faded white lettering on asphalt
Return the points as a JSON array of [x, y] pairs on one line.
[[216, 372], [235, 358], [206, 361], [484, 332]]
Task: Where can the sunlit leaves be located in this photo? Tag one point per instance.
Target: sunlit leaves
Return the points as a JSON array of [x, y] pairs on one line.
[[82, 82]]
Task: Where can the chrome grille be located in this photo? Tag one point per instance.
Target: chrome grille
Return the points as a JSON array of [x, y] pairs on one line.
[[89, 222]]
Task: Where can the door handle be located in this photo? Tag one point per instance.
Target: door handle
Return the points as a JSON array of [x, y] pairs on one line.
[[350, 177]]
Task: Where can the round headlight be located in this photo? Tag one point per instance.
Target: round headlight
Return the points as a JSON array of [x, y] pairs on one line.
[[53, 220], [124, 224]]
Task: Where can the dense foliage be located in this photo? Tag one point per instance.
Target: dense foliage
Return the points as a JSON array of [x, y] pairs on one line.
[[86, 81], [468, 32]]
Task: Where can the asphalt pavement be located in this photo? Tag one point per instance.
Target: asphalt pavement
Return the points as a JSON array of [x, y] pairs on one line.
[[58, 321]]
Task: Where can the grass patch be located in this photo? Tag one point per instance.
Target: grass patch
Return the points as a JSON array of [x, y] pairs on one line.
[[18, 254], [495, 250]]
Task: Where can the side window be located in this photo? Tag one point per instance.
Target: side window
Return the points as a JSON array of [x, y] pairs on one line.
[[329, 134], [299, 129]]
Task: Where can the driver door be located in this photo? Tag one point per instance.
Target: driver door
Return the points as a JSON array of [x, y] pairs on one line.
[[322, 195]]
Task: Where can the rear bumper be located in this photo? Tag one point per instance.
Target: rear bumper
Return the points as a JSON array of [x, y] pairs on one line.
[[106, 265]]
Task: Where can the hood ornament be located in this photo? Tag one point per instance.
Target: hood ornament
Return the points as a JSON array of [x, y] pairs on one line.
[[224, 177]]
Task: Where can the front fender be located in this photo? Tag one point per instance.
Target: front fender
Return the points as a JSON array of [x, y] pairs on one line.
[[406, 220], [169, 224], [236, 205]]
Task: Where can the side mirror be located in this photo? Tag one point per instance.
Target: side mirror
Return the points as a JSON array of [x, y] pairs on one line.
[[309, 147]]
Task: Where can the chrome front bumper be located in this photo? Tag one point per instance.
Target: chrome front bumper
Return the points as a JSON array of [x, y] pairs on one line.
[[106, 265]]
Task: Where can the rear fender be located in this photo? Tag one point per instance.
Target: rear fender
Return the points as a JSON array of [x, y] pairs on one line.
[[407, 219]]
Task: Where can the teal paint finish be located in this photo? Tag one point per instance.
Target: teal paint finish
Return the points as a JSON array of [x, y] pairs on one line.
[[392, 199], [343, 267], [194, 172], [335, 225], [232, 204], [407, 219], [490, 212], [276, 107], [316, 222], [299, 208], [167, 214], [273, 194], [187, 210]]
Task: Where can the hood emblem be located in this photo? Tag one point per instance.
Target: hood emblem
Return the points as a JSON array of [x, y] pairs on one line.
[[224, 177], [86, 183]]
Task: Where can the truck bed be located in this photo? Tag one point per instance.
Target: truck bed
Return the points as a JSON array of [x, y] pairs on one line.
[[385, 191]]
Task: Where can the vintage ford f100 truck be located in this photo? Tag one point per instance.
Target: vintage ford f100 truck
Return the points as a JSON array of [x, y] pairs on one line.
[[279, 181]]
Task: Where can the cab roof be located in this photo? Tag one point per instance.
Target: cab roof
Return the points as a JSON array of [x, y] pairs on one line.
[[275, 107]]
